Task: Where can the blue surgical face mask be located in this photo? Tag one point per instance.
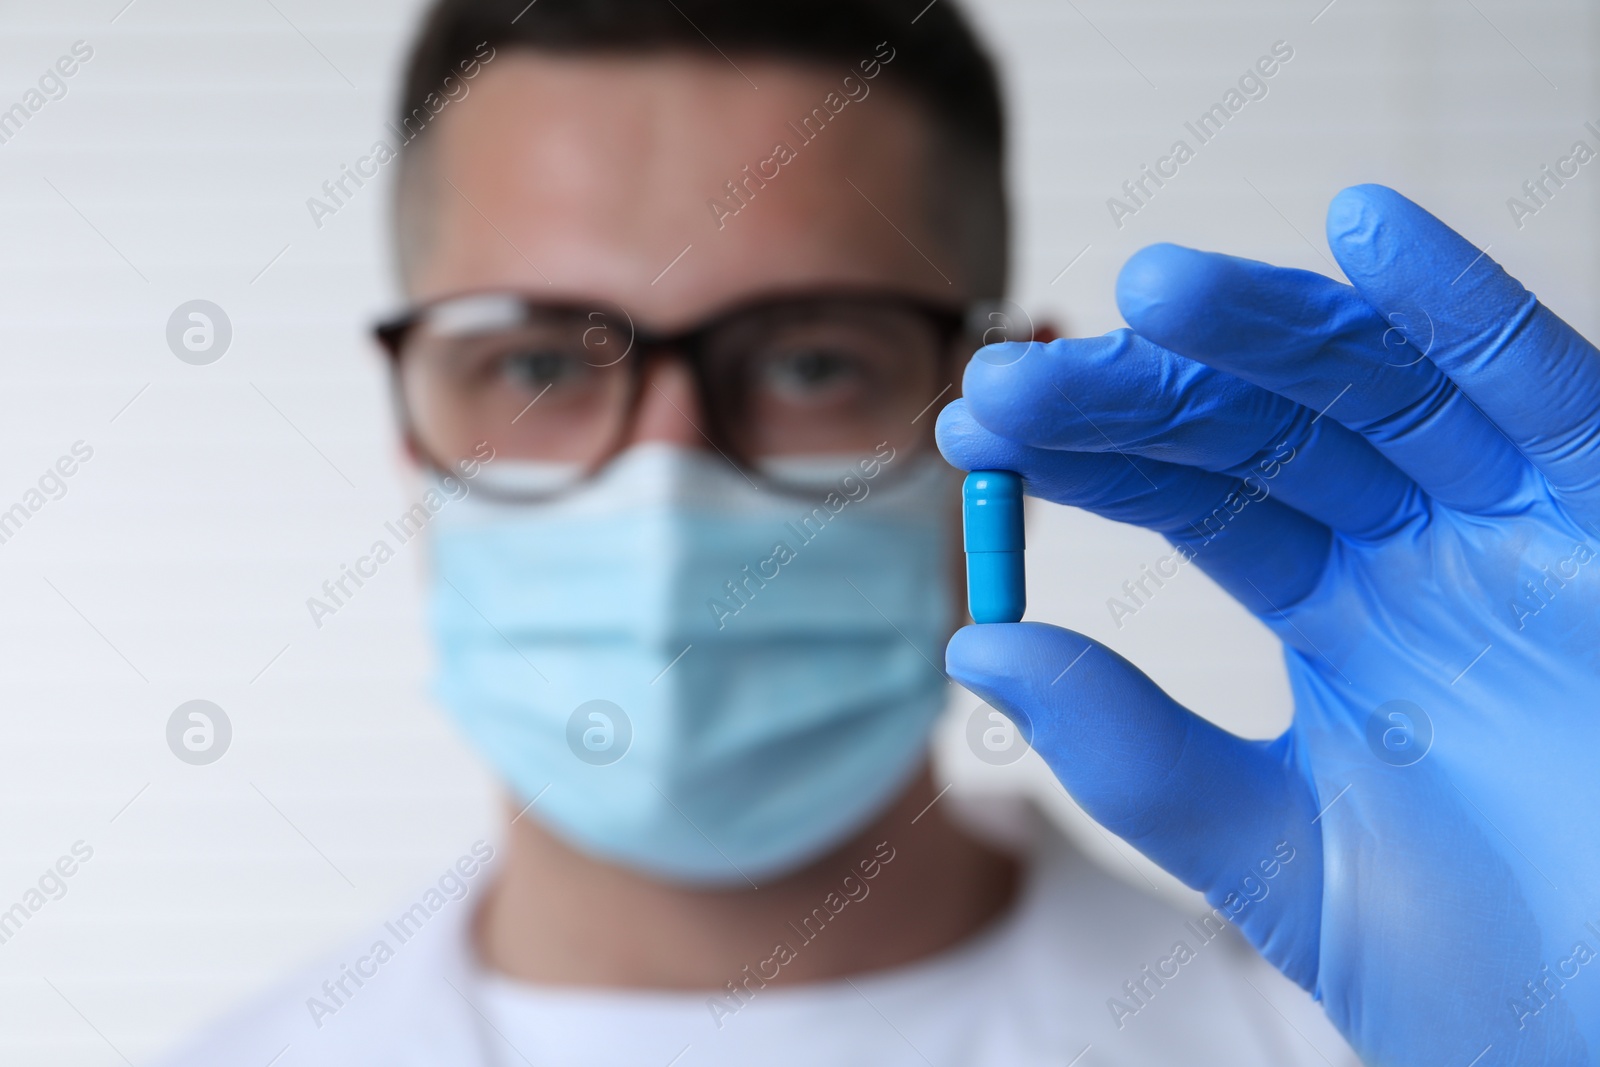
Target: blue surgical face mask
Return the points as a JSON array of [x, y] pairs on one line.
[[698, 679]]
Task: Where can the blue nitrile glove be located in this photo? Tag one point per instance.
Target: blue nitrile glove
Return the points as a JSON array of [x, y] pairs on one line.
[[1401, 479]]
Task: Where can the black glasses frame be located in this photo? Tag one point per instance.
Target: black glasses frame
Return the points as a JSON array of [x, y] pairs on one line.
[[952, 325]]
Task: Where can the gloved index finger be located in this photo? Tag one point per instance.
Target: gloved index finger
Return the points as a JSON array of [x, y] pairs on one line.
[[1122, 393], [1319, 343], [1265, 554], [1533, 375]]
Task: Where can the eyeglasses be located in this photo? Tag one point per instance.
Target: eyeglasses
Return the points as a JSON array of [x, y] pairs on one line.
[[789, 387]]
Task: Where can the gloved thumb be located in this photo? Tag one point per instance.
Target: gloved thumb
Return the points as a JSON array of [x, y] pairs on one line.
[[1229, 817]]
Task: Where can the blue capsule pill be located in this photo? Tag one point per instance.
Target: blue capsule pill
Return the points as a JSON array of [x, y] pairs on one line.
[[991, 518]]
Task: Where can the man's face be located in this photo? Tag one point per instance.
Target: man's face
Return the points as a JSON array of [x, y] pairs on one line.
[[585, 177]]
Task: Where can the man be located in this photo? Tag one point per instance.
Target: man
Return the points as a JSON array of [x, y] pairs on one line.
[[609, 157], [688, 280]]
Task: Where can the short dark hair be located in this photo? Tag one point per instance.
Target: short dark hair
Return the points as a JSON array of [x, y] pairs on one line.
[[939, 64]]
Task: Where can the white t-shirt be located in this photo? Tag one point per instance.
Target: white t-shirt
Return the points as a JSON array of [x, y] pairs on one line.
[[1041, 985]]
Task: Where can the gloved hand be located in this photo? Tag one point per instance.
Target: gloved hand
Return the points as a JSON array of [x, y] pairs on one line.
[[1401, 479]]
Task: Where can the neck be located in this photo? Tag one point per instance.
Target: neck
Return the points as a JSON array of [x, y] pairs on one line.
[[931, 885]]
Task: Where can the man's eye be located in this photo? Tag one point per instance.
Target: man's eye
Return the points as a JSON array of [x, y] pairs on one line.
[[811, 371], [538, 369]]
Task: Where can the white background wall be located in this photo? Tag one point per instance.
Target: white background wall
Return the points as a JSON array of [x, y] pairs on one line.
[[178, 563]]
